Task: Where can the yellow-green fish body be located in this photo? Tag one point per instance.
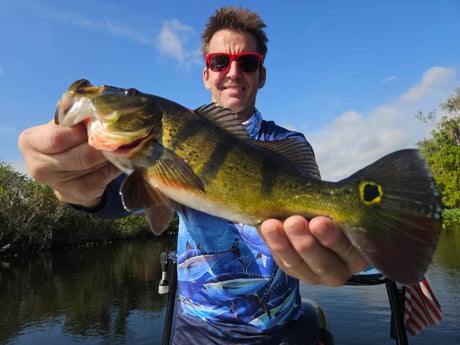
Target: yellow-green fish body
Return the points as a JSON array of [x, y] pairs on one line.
[[205, 160]]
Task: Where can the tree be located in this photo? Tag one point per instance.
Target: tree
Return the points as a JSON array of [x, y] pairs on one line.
[[28, 213], [32, 219], [442, 150]]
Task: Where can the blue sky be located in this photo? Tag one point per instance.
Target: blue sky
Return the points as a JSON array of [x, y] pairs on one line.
[[350, 75]]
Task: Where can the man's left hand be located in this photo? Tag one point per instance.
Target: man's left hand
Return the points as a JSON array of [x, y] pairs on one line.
[[315, 251]]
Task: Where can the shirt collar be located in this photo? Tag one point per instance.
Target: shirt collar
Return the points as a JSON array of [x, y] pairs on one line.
[[253, 124]]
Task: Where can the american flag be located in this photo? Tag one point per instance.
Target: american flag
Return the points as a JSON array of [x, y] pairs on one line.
[[421, 308]]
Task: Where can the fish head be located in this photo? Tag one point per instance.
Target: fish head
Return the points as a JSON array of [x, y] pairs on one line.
[[118, 120]]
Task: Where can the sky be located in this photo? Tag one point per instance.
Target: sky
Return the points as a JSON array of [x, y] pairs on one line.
[[350, 75]]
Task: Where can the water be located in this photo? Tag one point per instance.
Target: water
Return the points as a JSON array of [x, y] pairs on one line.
[[360, 315], [96, 295], [108, 295]]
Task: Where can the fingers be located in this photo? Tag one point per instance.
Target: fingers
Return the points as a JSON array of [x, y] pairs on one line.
[[326, 265], [284, 253], [79, 159], [51, 138], [85, 190], [329, 235], [61, 158], [317, 252], [51, 149]]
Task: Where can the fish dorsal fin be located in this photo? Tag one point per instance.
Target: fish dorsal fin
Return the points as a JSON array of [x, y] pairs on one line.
[[296, 152], [223, 118], [137, 194]]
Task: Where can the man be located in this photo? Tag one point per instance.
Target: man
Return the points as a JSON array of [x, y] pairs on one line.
[[233, 286]]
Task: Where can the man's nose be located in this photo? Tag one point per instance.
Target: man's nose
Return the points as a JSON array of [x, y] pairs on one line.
[[235, 69]]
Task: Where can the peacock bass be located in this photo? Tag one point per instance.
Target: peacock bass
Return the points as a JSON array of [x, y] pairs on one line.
[[204, 159]]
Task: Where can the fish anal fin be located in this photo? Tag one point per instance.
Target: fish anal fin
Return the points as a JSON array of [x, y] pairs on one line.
[[137, 194], [159, 217]]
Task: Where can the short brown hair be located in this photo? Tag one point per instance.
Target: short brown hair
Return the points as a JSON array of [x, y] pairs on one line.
[[238, 19]]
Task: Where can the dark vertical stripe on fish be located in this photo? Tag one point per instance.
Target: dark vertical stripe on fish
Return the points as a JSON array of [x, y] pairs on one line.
[[185, 133], [269, 176], [215, 161]]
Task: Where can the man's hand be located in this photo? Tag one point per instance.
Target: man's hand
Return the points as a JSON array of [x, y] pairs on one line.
[[61, 158], [315, 251]]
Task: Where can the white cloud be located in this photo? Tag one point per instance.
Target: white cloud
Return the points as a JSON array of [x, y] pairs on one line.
[[354, 140], [104, 27], [117, 30], [432, 80], [172, 41], [390, 78]]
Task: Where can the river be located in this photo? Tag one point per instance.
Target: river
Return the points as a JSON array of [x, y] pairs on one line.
[[107, 294]]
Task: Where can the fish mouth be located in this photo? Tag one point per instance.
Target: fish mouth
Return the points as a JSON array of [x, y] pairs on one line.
[[128, 148], [66, 113], [132, 147]]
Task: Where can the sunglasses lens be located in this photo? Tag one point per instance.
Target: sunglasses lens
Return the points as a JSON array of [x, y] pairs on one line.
[[249, 62], [219, 62]]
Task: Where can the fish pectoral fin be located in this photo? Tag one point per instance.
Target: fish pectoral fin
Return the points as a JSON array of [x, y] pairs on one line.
[[174, 172]]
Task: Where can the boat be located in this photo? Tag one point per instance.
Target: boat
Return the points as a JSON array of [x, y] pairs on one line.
[[312, 310]]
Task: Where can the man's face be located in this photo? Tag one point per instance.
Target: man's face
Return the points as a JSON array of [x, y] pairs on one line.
[[234, 89]]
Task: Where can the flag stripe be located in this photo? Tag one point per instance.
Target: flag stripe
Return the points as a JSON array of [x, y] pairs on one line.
[[422, 309]]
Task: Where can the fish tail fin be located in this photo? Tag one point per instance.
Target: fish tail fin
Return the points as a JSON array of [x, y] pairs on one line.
[[400, 215]]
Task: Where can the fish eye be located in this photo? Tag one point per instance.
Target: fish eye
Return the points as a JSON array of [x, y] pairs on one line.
[[131, 92]]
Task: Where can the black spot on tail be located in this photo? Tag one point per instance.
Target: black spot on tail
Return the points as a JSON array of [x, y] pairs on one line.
[[371, 192]]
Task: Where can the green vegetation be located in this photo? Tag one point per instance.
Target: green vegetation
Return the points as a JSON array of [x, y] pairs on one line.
[[451, 218], [33, 220], [442, 150]]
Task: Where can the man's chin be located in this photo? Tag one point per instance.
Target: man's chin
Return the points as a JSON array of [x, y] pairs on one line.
[[234, 104]]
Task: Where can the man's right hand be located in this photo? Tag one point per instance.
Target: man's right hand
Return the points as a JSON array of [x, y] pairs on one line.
[[61, 158]]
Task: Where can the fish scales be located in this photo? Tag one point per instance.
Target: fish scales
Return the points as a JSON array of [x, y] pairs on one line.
[[217, 157], [390, 210]]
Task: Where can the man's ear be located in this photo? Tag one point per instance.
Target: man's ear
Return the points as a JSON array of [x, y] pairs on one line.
[[262, 77], [206, 78]]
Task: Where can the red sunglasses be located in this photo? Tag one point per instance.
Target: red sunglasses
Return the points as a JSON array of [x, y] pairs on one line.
[[220, 62]]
